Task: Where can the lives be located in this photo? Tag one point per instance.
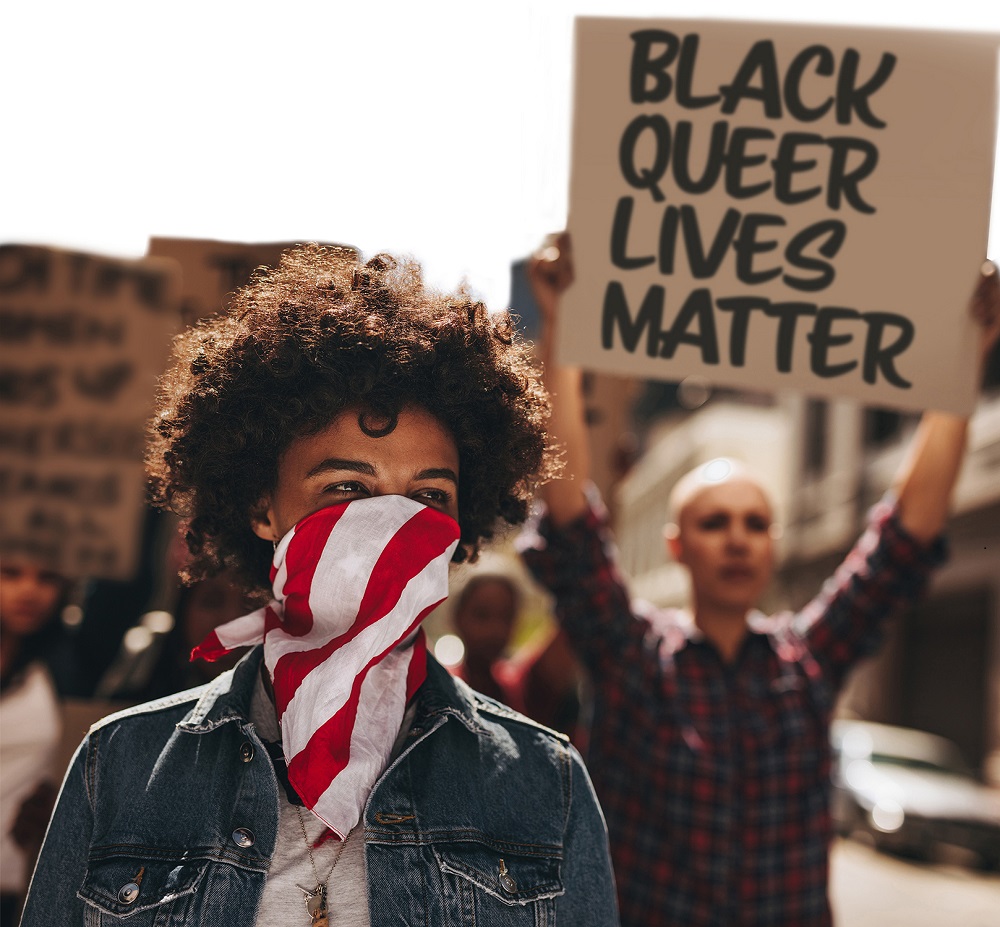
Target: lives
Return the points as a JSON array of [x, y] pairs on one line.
[[809, 252]]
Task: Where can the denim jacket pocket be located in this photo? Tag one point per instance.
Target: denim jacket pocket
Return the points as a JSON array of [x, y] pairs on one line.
[[488, 884], [137, 888]]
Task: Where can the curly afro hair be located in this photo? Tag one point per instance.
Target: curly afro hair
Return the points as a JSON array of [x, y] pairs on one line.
[[302, 343]]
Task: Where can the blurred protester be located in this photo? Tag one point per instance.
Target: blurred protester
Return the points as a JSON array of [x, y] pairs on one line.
[[111, 607], [709, 745], [539, 679], [485, 613], [31, 599], [201, 607], [154, 656], [337, 439]]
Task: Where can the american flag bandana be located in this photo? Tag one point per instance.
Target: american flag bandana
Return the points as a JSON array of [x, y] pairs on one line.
[[342, 643]]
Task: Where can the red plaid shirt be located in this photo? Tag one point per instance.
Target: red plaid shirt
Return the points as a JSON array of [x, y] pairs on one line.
[[714, 778]]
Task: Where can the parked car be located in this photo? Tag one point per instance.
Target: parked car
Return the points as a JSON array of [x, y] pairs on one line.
[[911, 792]]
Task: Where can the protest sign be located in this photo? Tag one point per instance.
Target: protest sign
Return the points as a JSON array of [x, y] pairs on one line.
[[214, 269], [774, 206], [82, 340]]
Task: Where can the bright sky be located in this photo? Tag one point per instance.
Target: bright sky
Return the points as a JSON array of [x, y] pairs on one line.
[[440, 129]]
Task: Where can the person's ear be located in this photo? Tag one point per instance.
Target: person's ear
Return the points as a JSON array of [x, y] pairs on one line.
[[262, 521], [672, 535]]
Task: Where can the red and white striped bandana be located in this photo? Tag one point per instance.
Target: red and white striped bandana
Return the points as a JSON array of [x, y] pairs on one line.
[[342, 643]]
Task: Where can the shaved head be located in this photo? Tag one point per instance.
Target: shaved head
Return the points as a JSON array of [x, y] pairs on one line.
[[713, 473]]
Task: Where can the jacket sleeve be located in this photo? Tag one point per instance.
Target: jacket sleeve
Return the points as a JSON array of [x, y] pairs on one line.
[[589, 899], [62, 863], [577, 564], [886, 571]]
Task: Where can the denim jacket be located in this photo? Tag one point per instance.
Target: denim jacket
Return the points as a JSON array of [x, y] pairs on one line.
[[168, 815]]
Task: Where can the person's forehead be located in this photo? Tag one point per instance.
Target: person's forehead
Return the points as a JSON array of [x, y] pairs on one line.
[[741, 492]]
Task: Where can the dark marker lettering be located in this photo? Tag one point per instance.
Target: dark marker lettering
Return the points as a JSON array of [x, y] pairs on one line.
[[880, 357], [104, 383], [108, 279], [834, 232], [22, 267], [822, 339], [850, 97], [844, 182], [646, 178], [740, 307], [759, 60], [788, 315], [37, 387], [697, 307], [619, 237], [714, 160], [151, 288], [646, 66], [668, 239], [704, 265], [685, 77], [785, 166], [616, 315], [747, 246], [793, 83], [737, 161]]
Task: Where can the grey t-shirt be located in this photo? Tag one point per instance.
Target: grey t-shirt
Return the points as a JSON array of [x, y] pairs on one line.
[[291, 875]]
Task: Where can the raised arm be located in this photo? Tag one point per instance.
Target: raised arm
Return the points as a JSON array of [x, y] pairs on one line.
[[889, 565], [569, 552], [550, 273], [927, 478]]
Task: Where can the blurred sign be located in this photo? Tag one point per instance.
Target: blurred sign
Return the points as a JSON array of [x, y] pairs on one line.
[[82, 341], [214, 269], [778, 206]]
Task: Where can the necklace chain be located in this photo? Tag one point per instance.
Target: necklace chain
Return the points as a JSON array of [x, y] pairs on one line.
[[318, 910]]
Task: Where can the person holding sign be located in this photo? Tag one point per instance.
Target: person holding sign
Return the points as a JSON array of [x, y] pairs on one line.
[[709, 744], [336, 440]]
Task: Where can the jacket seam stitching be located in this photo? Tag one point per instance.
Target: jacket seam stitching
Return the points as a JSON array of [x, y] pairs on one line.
[[567, 771], [90, 779]]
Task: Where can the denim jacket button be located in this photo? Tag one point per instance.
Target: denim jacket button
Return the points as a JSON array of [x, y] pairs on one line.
[[506, 879], [246, 751], [243, 837], [128, 893]]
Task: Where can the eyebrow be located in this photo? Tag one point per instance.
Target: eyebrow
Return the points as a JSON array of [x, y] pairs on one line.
[[438, 473], [361, 466], [339, 463]]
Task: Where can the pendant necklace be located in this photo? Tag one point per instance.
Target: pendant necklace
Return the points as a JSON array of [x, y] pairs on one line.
[[315, 900]]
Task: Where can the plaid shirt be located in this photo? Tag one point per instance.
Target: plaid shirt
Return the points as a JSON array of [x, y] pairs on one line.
[[714, 778]]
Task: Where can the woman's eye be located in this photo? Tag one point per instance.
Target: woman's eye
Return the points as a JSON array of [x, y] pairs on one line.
[[713, 524], [347, 488], [435, 497], [759, 525]]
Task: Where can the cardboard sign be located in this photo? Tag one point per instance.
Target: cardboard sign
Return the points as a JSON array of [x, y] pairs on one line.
[[778, 206], [214, 269], [82, 340]]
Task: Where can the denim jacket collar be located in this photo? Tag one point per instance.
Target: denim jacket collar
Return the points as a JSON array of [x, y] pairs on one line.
[[227, 698]]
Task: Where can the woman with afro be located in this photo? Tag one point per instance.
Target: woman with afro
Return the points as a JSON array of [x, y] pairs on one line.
[[335, 439]]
